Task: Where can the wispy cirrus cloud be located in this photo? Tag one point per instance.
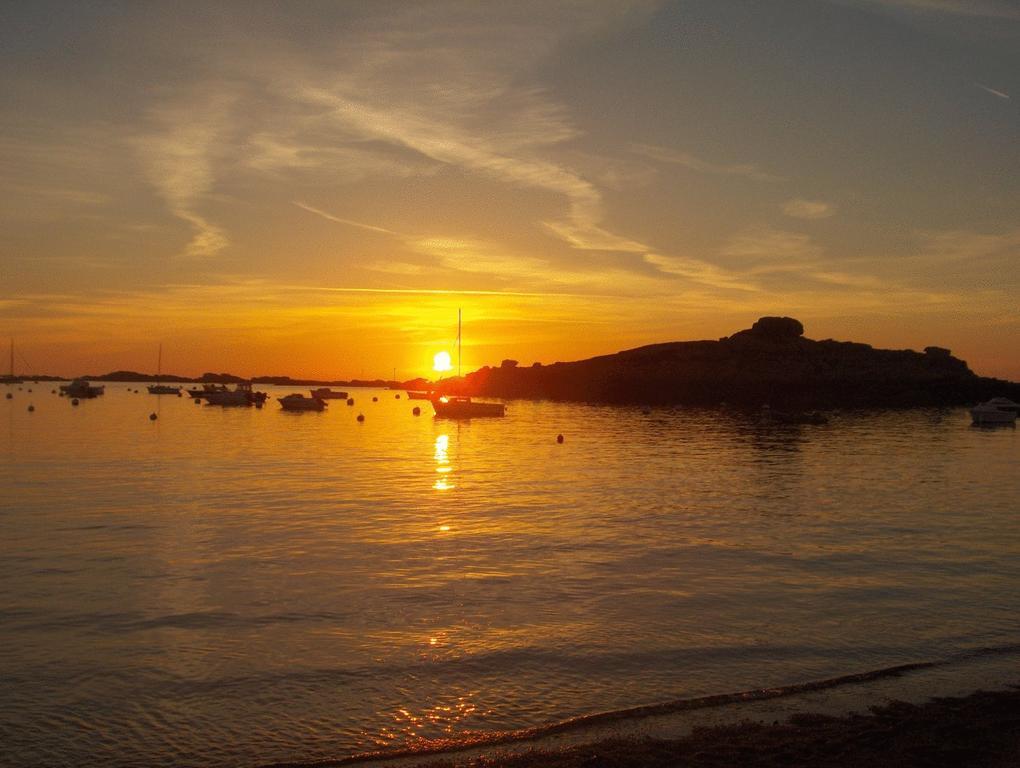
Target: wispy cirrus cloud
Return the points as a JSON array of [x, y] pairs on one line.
[[177, 157], [993, 91], [987, 9], [694, 163], [799, 208]]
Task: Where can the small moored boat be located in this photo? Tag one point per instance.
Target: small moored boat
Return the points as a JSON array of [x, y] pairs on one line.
[[986, 413], [298, 402], [80, 388], [1004, 404], [325, 393], [241, 395], [455, 407], [163, 389], [199, 394]]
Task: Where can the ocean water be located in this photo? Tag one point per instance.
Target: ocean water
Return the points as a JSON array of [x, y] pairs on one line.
[[239, 586]]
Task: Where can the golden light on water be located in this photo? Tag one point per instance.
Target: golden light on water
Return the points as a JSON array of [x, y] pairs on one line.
[[443, 467], [441, 362]]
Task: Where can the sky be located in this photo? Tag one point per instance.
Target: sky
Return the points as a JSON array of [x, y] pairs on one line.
[[315, 188]]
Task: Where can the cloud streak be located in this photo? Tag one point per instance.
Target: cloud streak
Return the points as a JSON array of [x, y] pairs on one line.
[[687, 160], [177, 158], [992, 91], [338, 220]]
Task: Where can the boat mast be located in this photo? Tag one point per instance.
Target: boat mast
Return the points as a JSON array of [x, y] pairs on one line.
[[458, 343], [12, 357], [159, 363]]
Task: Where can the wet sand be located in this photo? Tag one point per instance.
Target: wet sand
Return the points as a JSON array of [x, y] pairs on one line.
[[980, 730]]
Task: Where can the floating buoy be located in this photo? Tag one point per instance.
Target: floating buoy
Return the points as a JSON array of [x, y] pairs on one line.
[[74, 401], [30, 390], [10, 396], [153, 417], [31, 408], [53, 391], [397, 397], [416, 411], [375, 399], [559, 438], [350, 401], [361, 417]]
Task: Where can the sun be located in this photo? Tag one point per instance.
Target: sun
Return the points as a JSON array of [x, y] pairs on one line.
[[441, 362]]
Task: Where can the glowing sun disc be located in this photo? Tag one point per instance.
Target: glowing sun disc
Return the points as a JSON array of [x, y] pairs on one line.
[[441, 362]]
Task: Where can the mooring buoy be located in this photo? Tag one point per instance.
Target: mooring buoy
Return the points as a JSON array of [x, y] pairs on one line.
[[74, 401], [153, 417], [350, 401], [361, 417], [559, 438], [31, 408], [416, 411]]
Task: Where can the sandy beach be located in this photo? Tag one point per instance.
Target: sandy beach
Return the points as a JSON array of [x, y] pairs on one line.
[[979, 730]]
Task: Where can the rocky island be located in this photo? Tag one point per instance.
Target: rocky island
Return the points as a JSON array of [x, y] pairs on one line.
[[770, 363]]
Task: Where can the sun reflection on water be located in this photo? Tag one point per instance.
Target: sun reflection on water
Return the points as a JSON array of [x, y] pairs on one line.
[[443, 467], [432, 725]]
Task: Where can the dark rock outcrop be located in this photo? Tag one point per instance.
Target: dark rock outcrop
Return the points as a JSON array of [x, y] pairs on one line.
[[769, 363]]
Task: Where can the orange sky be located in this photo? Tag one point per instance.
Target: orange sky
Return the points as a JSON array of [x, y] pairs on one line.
[[315, 190]]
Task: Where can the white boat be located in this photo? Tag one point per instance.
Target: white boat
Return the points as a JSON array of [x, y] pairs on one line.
[[162, 389], [241, 395], [325, 393], [986, 413], [298, 402], [454, 407]]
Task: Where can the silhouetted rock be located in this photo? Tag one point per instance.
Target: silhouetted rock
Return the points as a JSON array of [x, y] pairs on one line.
[[771, 362], [778, 327]]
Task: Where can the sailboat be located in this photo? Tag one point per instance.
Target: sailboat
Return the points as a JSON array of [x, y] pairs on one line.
[[462, 407], [11, 378], [162, 389]]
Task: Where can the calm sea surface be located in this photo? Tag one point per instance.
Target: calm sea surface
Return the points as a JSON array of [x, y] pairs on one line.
[[238, 586]]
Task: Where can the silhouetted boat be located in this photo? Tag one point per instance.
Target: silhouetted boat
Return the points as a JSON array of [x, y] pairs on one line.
[[986, 413], [241, 395], [199, 394], [454, 407], [1004, 404], [419, 395], [460, 407], [11, 378], [81, 388], [298, 402], [325, 393], [161, 389]]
